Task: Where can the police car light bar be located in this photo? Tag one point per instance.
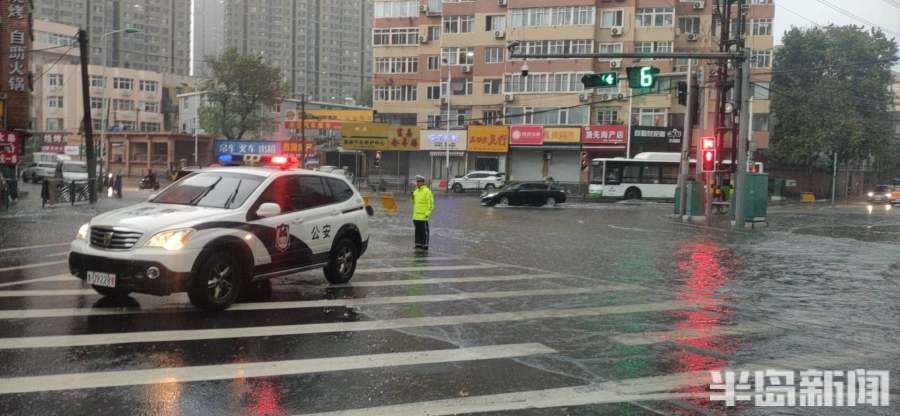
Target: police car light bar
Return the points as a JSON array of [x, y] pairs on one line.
[[279, 161]]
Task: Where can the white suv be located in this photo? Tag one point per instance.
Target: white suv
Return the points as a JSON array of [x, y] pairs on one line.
[[216, 230], [477, 180]]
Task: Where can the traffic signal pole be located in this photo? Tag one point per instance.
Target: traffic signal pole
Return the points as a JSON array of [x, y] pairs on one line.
[[88, 124], [686, 146], [740, 197]]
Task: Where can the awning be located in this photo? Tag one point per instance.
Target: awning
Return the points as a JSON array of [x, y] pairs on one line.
[[443, 153], [547, 147], [604, 147]]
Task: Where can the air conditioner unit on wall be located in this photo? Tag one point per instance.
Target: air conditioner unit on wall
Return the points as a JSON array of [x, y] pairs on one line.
[[501, 3], [584, 97], [698, 5], [423, 8], [467, 68], [621, 97], [499, 34], [615, 63], [616, 31], [509, 98], [693, 37], [423, 39]]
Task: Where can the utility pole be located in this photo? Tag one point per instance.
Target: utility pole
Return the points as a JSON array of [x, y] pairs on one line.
[[686, 144], [740, 197], [302, 131], [88, 124]]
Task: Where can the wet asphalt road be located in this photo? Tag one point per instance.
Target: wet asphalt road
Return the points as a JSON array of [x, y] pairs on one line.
[[582, 309]]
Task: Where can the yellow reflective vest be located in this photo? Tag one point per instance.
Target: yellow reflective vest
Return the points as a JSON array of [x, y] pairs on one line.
[[423, 203]]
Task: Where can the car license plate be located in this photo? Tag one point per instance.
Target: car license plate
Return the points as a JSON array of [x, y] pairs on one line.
[[101, 279]]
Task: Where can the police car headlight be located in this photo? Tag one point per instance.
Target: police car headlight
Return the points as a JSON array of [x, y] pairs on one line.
[[83, 231], [871, 194], [172, 239]]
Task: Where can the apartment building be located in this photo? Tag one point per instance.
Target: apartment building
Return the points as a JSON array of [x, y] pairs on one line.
[[209, 33], [323, 47], [162, 43], [445, 65]]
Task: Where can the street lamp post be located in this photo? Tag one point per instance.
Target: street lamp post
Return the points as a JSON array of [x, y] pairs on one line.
[[103, 105], [447, 132]]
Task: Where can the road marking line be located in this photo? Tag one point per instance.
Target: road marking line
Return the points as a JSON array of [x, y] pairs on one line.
[[33, 265], [55, 292], [264, 368], [62, 253], [4, 250], [425, 268], [647, 338], [276, 330], [441, 280], [55, 278], [375, 260], [324, 303]]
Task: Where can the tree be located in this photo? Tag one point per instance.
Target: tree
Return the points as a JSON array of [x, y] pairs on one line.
[[830, 93], [239, 92]]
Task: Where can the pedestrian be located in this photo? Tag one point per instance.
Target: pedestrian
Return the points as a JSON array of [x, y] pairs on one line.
[[422, 206]]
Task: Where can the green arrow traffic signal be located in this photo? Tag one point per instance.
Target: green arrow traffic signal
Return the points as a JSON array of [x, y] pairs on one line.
[[642, 76], [606, 79]]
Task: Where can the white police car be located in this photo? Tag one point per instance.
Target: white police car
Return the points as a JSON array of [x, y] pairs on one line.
[[218, 229]]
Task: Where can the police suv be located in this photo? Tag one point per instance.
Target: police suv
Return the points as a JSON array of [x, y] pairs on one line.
[[216, 230]]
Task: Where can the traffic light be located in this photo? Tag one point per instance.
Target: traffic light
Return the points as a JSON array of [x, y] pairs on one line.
[[378, 158], [708, 154], [682, 92], [642, 76], [606, 79]]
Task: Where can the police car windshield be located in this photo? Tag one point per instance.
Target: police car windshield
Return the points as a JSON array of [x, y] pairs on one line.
[[210, 189]]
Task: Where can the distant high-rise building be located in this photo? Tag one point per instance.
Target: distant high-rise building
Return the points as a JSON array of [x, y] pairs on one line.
[[322, 46], [162, 44], [209, 33]]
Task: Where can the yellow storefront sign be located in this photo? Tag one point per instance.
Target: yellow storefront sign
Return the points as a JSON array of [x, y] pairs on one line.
[[379, 136], [325, 119], [488, 139], [342, 115], [562, 135]]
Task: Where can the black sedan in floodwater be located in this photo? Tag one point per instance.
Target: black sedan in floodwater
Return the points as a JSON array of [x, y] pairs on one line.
[[525, 193]]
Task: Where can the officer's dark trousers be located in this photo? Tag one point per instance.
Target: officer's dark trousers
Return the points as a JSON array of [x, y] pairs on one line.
[[421, 233]]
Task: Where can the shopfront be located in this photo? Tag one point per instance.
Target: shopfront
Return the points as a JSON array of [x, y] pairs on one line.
[[487, 148], [433, 146], [133, 154], [538, 152], [388, 148], [654, 139]]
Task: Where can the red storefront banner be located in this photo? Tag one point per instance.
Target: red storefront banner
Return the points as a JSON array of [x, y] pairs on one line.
[[9, 148], [526, 135], [605, 134]]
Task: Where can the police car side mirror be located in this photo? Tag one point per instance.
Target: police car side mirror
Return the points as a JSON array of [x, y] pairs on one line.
[[268, 209]]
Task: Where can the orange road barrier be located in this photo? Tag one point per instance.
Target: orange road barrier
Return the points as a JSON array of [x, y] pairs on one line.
[[807, 197]]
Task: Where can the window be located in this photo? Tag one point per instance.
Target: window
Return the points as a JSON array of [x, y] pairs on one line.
[[493, 55], [122, 105], [433, 92], [55, 80], [150, 106], [584, 15], [609, 48], [433, 63], [760, 90], [397, 65], [547, 115], [460, 86], [607, 115], [669, 175], [408, 8], [761, 27], [122, 83], [761, 59], [760, 122], [649, 174], [55, 101], [655, 17], [97, 81], [761, 2], [581, 46], [396, 36], [459, 117], [611, 18], [654, 46], [148, 86], [544, 82], [490, 117], [458, 56], [54, 124], [556, 47], [152, 127], [458, 24], [552, 16], [433, 121], [562, 16], [434, 32], [492, 86], [689, 24], [339, 189], [282, 191], [96, 103], [495, 23], [395, 93], [128, 126], [648, 117]]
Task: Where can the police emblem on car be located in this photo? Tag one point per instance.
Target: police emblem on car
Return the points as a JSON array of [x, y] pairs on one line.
[[216, 230]]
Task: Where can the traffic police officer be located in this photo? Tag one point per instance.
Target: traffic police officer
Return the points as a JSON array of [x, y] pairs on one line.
[[423, 204]]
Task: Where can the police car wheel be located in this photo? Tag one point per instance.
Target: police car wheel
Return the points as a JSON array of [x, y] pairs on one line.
[[342, 262], [111, 292], [218, 282]]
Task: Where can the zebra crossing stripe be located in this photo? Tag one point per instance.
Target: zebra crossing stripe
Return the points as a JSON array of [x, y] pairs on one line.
[[48, 263], [263, 369], [442, 280], [254, 306], [276, 330], [647, 338], [425, 268], [56, 278]]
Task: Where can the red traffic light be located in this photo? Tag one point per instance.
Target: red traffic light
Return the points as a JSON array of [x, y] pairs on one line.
[[709, 160], [708, 142]]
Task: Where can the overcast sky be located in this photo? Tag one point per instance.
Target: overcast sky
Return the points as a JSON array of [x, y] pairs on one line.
[[885, 13]]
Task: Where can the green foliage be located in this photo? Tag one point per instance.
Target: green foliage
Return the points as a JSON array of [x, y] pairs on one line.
[[830, 94], [239, 91]]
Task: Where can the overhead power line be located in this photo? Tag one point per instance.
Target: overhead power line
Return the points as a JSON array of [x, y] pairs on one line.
[[854, 16]]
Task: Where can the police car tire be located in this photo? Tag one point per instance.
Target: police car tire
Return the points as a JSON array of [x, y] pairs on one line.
[[333, 272], [111, 292], [199, 292]]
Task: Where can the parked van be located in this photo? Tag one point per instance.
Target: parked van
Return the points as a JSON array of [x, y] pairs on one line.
[[71, 170]]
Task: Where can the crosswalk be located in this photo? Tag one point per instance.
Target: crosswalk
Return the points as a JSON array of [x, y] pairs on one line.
[[437, 335]]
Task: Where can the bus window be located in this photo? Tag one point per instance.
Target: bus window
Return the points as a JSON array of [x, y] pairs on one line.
[[632, 174], [614, 175], [649, 174], [669, 175]]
